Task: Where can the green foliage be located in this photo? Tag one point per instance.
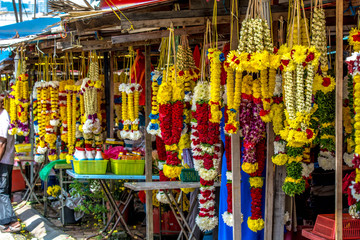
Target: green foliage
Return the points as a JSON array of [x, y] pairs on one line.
[[293, 152], [92, 198], [291, 188], [294, 170]]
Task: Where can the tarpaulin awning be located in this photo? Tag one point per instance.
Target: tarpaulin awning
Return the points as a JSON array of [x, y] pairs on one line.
[[27, 28]]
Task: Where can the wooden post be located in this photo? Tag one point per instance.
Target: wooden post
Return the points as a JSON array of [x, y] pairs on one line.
[[269, 195], [148, 146], [235, 155], [108, 98], [15, 11], [338, 119], [20, 11], [111, 120], [279, 204]]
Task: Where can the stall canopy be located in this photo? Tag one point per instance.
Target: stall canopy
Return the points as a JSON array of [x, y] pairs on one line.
[[27, 28]]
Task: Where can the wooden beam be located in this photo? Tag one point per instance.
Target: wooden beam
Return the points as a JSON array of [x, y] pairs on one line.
[[156, 34], [269, 195], [279, 203], [339, 119], [148, 146], [236, 158]]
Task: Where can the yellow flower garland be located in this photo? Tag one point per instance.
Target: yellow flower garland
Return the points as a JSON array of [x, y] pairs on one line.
[[215, 79]]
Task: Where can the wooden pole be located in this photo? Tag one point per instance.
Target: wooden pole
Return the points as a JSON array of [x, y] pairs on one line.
[[269, 199], [15, 11], [235, 155], [20, 10], [148, 146], [34, 9], [108, 98], [339, 119], [111, 94]]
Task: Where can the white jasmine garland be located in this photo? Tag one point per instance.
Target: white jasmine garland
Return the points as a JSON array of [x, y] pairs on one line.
[[207, 148], [198, 164], [160, 196], [161, 165], [348, 157], [353, 212], [229, 176], [41, 150], [279, 147], [206, 223], [207, 175], [307, 169], [326, 160], [354, 194], [39, 158]]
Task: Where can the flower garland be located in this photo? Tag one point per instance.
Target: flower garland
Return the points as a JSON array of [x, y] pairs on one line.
[[170, 97], [354, 183], [153, 127], [19, 105], [298, 105], [348, 119], [90, 88], [228, 214], [354, 38], [160, 146], [233, 94], [203, 153], [325, 99], [51, 127]]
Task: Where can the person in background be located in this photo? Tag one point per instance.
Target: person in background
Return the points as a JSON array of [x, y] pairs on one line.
[[8, 219]]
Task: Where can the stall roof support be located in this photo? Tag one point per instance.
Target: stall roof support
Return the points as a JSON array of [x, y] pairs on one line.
[[339, 119], [148, 146]]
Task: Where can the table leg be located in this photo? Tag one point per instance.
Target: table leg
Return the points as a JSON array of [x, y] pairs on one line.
[[113, 204], [180, 211], [62, 218], [189, 214], [28, 193], [36, 177], [175, 214]]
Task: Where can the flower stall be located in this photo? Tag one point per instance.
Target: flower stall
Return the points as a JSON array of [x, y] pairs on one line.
[[226, 117]]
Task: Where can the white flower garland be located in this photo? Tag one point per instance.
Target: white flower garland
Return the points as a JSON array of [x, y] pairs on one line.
[[307, 169], [326, 160], [348, 157]]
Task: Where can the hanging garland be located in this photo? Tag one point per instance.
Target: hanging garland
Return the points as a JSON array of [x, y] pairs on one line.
[[348, 121], [19, 103], [170, 97], [153, 127], [204, 161]]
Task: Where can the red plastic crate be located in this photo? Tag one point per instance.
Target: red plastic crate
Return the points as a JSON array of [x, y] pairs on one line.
[[325, 227]]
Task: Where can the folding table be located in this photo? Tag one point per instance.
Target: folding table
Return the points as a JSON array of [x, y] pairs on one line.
[[102, 179], [30, 183], [167, 188]]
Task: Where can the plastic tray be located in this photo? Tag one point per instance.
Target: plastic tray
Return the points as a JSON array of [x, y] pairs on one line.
[[90, 166], [128, 167], [20, 148]]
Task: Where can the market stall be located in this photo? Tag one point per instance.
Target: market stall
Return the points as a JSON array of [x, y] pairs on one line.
[[237, 95]]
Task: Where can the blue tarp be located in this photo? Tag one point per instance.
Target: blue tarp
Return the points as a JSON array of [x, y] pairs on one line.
[[27, 28], [225, 232]]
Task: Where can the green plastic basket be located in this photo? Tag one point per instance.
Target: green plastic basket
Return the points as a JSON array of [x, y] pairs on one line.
[[189, 175], [127, 167], [93, 167]]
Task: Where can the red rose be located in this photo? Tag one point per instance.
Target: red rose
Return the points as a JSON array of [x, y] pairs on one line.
[[309, 133], [326, 81], [285, 62], [181, 73], [310, 57], [356, 38], [264, 112]]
